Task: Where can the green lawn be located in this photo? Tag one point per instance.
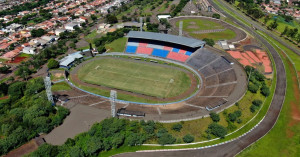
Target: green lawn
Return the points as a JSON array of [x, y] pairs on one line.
[[190, 25], [60, 86], [227, 34], [2, 60], [90, 37], [136, 77], [117, 45], [24, 55]]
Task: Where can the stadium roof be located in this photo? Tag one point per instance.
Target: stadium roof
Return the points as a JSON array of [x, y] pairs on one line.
[[166, 38]]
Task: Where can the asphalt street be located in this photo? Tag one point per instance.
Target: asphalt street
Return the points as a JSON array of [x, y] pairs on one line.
[[236, 146]]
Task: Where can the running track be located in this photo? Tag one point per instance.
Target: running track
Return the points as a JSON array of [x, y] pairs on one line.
[[234, 147]]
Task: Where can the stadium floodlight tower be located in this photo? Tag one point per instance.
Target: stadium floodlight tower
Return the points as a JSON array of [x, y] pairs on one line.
[[180, 28], [113, 97], [47, 83], [141, 21]]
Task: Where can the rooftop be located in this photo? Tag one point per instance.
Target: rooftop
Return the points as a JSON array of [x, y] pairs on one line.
[[166, 38]]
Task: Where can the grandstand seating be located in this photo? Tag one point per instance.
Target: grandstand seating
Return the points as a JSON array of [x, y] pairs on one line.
[[177, 56], [219, 78], [131, 49], [158, 50]]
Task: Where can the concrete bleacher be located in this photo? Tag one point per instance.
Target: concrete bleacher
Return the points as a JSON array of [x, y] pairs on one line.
[[219, 78]]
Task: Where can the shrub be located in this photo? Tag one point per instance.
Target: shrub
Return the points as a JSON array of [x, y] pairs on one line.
[[166, 138], [209, 42], [177, 127], [217, 130], [216, 16], [257, 102], [215, 117], [265, 91], [188, 138], [52, 64], [239, 121], [253, 108], [253, 88]]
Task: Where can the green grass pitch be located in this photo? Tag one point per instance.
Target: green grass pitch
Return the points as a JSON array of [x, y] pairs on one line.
[[148, 79]]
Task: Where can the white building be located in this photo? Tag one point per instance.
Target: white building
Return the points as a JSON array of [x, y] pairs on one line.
[[71, 26], [29, 50]]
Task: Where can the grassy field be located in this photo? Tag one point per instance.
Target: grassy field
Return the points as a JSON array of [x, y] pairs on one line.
[[190, 25], [135, 77], [90, 37], [227, 34], [193, 25], [60, 86], [117, 45]]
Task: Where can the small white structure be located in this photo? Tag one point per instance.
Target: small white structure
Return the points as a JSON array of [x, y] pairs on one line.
[[163, 17], [71, 26], [224, 44], [29, 50], [58, 31]]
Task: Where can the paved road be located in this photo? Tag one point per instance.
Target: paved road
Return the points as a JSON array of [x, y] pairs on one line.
[[255, 24], [234, 147]]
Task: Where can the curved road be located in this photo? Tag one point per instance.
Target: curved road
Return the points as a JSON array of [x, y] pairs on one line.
[[234, 147]]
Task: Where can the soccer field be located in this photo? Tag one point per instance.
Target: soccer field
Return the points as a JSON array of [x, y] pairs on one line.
[[149, 79]]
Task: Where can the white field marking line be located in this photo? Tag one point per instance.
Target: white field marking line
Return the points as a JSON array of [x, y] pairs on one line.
[[79, 96], [208, 63], [98, 103], [194, 106], [97, 67], [158, 110], [126, 105], [223, 84], [212, 96], [218, 73]]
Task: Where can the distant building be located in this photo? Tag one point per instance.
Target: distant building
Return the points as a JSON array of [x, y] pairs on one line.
[[68, 60], [58, 31], [163, 17], [29, 50], [71, 26]]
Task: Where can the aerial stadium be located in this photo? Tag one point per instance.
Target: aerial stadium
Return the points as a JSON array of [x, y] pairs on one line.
[[162, 77]]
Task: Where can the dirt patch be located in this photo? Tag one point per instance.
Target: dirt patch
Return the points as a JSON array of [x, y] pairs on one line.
[[23, 150]]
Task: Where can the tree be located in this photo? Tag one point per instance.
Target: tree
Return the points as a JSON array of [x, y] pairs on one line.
[[286, 29], [166, 138], [4, 69], [177, 127], [209, 42], [52, 64], [217, 130], [215, 117], [257, 102], [188, 138], [253, 88], [94, 17], [265, 91], [111, 19], [273, 25], [216, 16], [72, 45], [38, 32], [101, 49]]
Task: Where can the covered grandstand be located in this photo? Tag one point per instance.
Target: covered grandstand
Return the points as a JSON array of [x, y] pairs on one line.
[[162, 45]]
